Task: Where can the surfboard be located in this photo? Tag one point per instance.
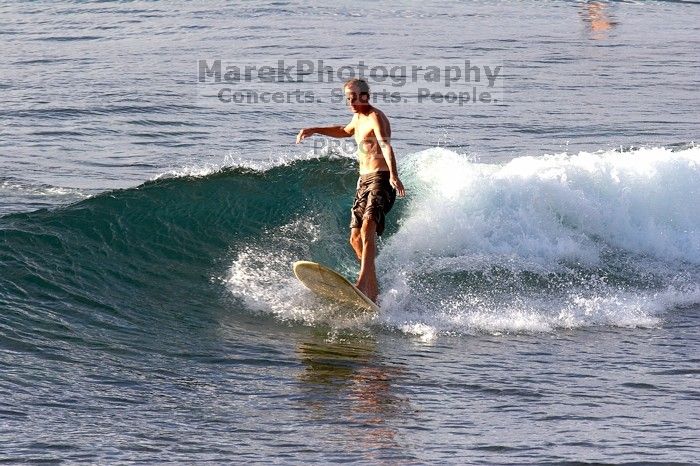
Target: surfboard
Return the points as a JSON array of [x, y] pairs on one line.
[[330, 284]]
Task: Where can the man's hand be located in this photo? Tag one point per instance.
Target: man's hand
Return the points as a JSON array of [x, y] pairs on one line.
[[397, 184], [304, 133]]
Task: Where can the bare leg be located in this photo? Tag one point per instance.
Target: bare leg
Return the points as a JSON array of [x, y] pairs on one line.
[[356, 242], [367, 281]]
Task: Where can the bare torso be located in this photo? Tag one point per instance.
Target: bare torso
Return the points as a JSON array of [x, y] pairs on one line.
[[369, 153]]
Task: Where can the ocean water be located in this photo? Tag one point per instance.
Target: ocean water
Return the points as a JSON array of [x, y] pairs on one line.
[[540, 283]]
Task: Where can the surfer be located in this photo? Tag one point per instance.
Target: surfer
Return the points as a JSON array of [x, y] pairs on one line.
[[379, 181]]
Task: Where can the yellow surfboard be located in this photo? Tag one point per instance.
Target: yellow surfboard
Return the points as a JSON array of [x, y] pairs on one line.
[[330, 284]]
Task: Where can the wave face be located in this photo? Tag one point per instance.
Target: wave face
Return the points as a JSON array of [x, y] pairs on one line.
[[536, 244], [125, 261]]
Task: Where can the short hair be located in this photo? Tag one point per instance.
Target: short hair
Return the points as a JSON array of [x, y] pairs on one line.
[[360, 84]]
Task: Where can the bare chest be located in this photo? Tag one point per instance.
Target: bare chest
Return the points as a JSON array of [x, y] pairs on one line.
[[364, 132]]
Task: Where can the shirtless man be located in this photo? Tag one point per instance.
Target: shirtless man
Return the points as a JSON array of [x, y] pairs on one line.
[[379, 180]]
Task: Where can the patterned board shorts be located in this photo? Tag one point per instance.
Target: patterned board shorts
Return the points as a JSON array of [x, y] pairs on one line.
[[374, 199]]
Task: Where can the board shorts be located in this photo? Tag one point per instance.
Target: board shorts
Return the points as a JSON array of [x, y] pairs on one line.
[[374, 199]]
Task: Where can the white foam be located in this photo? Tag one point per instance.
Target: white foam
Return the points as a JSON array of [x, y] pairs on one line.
[[536, 314], [547, 216], [544, 210]]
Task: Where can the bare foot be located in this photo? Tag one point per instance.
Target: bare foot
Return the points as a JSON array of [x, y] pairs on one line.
[[369, 290]]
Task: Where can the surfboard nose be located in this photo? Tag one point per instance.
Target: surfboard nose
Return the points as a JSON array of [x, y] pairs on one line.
[[328, 283]]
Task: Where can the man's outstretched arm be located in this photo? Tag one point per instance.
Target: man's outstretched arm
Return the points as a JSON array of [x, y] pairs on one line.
[[332, 131]]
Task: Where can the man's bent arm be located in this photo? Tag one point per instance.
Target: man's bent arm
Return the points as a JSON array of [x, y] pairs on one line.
[[388, 152]]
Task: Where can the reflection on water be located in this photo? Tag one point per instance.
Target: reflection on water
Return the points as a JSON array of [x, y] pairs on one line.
[[597, 18], [347, 382]]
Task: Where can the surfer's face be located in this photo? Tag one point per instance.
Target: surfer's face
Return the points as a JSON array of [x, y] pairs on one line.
[[355, 100]]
